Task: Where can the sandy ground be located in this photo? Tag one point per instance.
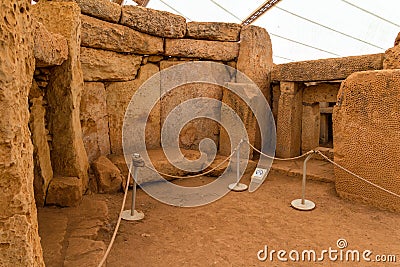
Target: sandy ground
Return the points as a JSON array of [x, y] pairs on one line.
[[232, 230]]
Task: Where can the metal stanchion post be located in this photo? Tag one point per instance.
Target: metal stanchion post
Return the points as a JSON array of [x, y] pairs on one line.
[[132, 214], [238, 187], [303, 204]]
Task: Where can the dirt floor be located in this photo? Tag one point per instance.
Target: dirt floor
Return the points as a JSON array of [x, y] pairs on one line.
[[232, 230]]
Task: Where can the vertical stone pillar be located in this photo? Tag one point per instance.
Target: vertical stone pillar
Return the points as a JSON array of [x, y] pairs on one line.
[[288, 132], [19, 239], [310, 127], [68, 155], [324, 128], [255, 61]]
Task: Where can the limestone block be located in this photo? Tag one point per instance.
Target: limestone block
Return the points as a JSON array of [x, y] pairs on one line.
[[326, 69], [64, 192], [392, 58], [243, 111], [196, 130], [108, 176], [310, 128], [100, 65], [154, 22], [217, 31], [255, 58], [41, 151], [397, 40], [68, 155], [288, 132], [114, 37], [19, 239], [366, 137], [94, 120], [214, 50], [321, 92], [50, 49], [119, 95], [102, 9]]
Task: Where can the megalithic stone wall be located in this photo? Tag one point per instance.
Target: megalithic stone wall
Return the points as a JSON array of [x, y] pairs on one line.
[[68, 155], [366, 136], [19, 239]]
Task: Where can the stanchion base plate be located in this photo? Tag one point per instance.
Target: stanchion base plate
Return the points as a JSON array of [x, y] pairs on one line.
[[308, 205], [237, 187], [137, 216]]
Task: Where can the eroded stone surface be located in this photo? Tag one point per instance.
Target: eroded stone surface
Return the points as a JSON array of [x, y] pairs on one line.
[[366, 135], [102, 9], [64, 192], [41, 151], [217, 31], [50, 49], [119, 95], [392, 58], [154, 22], [214, 50], [68, 155], [108, 176], [114, 37], [101, 65], [94, 120], [19, 239]]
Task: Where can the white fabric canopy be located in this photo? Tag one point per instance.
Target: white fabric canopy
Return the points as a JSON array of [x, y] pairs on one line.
[[346, 27]]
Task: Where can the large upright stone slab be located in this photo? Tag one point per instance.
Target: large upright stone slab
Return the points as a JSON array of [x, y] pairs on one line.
[[119, 95], [101, 65], [310, 129], [109, 36], [213, 50], [216, 31], [41, 152], [392, 58], [255, 58], [19, 239], [94, 120], [366, 137], [68, 155], [154, 22], [288, 129]]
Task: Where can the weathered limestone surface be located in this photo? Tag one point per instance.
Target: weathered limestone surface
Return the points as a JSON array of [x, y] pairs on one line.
[[196, 130], [154, 22], [326, 69], [322, 92], [50, 49], [65, 191], [41, 151], [114, 37], [101, 65], [310, 127], [255, 58], [288, 132], [102, 9], [119, 95], [243, 111], [392, 58], [367, 137], [68, 155], [108, 176], [214, 50], [19, 239], [216, 31], [94, 120]]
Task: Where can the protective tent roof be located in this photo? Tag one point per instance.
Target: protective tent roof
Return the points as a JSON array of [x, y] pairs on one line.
[[304, 29]]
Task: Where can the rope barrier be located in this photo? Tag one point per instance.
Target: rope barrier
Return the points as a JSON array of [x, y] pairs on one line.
[[355, 175], [281, 159], [118, 221]]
